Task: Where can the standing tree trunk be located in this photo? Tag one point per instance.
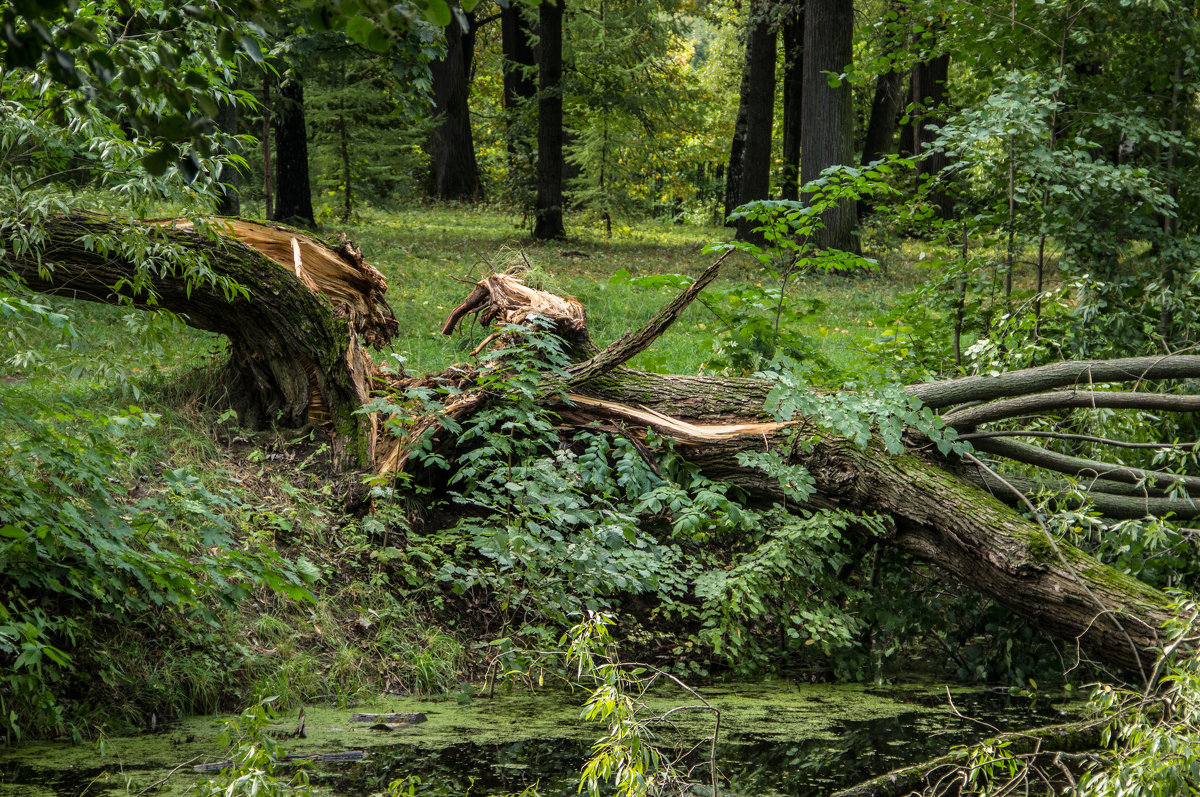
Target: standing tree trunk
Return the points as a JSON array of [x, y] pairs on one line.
[[749, 174], [827, 129], [793, 87], [880, 138], [268, 193], [343, 126], [293, 197], [928, 94], [230, 178], [520, 84], [548, 212], [453, 172]]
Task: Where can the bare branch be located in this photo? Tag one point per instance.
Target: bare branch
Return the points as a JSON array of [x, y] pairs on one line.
[[1055, 375], [1087, 438], [1080, 466], [633, 343], [965, 420]]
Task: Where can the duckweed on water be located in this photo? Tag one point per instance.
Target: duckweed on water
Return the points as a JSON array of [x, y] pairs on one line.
[[777, 737]]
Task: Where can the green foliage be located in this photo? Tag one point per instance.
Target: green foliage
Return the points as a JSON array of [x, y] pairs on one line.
[[628, 102], [77, 554], [255, 756], [626, 756]]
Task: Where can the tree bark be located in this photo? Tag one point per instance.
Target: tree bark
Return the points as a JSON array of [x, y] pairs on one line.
[[548, 212], [929, 93], [827, 130], [292, 308], [230, 203], [453, 171], [793, 87], [293, 196], [749, 174], [520, 84]]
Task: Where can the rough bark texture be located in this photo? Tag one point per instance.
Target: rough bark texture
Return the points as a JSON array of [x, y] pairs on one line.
[[294, 333], [793, 86], [749, 175], [293, 196], [827, 130], [453, 172], [548, 212]]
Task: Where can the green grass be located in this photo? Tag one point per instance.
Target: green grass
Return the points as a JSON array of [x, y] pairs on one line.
[[423, 251]]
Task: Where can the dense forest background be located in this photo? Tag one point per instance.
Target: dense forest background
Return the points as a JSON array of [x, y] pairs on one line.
[[1023, 166]]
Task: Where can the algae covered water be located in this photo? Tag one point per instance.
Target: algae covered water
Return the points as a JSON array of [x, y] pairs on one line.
[[777, 738]]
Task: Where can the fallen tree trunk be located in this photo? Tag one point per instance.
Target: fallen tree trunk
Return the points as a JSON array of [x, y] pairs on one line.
[[292, 308], [295, 356]]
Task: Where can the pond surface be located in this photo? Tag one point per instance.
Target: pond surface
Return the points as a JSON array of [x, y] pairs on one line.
[[777, 738]]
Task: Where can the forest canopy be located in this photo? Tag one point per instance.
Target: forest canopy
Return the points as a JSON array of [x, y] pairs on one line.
[[997, 485]]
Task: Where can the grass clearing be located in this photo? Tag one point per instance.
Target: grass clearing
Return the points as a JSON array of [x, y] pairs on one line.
[[422, 251]]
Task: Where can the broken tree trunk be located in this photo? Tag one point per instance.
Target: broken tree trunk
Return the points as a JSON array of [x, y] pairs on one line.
[[294, 323], [935, 513], [292, 308]]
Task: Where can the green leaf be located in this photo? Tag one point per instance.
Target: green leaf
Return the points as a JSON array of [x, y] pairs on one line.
[[359, 29], [438, 12]]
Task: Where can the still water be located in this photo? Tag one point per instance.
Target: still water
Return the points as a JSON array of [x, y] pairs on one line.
[[777, 738]]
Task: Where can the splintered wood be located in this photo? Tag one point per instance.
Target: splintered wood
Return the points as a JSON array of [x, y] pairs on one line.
[[338, 273], [505, 299]]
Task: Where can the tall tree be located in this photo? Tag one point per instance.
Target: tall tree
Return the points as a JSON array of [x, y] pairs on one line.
[[520, 83], [230, 203], [793, 86], [827, 128], [749, 174], [454, 173], [548, 216], [293, 195], [880, 137], [889, 88], [928, 95]]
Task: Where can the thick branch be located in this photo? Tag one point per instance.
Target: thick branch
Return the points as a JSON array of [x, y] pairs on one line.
[[1109, 503], [1080, 466], [964, 420], [633, 343], [1055, 375]]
